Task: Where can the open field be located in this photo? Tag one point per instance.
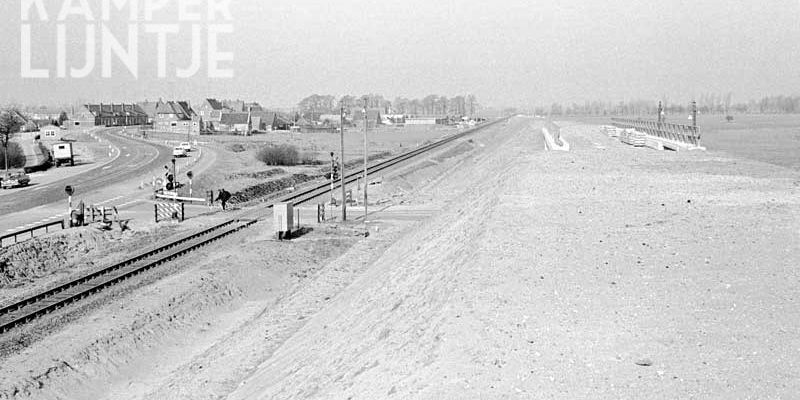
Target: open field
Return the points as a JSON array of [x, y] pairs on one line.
[[236, 168]]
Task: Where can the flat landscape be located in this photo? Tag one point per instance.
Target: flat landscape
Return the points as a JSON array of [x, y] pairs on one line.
[[493, 269]]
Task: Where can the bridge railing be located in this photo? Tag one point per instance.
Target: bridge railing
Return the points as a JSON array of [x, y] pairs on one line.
[[27, 234], [676, 132]]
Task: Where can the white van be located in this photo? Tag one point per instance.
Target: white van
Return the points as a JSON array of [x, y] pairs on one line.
[[178, 152]]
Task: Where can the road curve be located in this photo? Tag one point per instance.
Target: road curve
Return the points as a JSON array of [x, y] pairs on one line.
[[135, 157]]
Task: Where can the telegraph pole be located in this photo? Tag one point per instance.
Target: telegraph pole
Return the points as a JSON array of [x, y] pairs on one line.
[[341, 168], [366, 183], [333, 176], [660, 113]]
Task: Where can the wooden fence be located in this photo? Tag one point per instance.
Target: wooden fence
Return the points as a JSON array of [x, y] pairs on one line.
[[678, 133]]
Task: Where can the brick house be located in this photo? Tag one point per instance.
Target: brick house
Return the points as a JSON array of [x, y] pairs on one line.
[[176, 117], [268, 121], [109, 115], [210, 112]]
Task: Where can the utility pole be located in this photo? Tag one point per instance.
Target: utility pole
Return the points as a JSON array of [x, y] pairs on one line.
[[366, 183], [333, 176], [341, 168], [660, 112], [174, 176], [694, 114]]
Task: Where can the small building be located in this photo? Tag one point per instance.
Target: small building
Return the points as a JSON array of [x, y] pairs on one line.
[[330, 119], [373, 117], [49, 132], [420, 121], [238, 123]]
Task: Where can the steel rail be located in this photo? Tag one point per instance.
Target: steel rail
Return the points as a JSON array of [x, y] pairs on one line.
[[32, 307]]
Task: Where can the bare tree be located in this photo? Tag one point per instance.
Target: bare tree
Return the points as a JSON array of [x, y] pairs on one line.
[[10, 124]]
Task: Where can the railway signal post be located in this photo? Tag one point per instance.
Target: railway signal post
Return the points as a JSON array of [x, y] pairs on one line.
[[190, 175], [69, 190]]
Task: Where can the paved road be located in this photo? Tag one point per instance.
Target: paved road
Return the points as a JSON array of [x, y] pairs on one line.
[[134, 158]]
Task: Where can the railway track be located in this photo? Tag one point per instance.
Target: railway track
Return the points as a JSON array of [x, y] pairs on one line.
[[33, 307]]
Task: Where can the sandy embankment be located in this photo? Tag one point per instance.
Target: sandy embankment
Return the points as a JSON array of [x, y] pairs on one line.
[[533, 274], [602, 273], [197, 326]]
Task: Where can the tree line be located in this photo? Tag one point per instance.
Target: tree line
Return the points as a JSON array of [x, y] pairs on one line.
[[708, 103], [315, 105]]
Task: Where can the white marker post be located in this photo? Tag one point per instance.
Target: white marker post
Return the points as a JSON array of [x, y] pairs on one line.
[[190, 175], [69, 190]]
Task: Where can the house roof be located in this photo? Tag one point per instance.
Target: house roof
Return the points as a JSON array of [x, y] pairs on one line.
[[302, 122], [181, 109], [253, 107], [234, 105], [116, 110], [234, 118], [149, 107], [373, 114], [214, 104]]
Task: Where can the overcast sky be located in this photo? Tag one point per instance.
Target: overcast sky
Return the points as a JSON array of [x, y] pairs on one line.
[[506, 52]]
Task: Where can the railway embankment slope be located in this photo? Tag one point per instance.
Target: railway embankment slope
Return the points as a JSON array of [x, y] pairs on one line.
[[500, 271]]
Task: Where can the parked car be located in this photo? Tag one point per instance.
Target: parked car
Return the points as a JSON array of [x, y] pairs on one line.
[[186, 146], [178, 152], [15, 179]]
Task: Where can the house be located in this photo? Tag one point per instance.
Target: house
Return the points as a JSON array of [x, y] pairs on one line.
[[374, 118], [210, 112], [149, 108], [49, 132], [44, 113], [330, 119], [253, 107], [176, 117], [238, 123], [268, 121], [420, 121], [394, 119], [83, 117], [109, 115], [234, 105]]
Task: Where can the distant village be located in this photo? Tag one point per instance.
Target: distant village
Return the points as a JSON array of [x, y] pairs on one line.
[[212, 116]]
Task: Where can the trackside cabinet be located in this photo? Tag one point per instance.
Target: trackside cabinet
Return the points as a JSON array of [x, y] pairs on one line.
[[284, 219]]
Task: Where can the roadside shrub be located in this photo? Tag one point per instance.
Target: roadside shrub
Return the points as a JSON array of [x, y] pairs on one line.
[[279, 155], [237, 148], [16, 157]]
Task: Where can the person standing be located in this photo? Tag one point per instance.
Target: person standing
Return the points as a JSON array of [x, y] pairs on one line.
[[223, 198]]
